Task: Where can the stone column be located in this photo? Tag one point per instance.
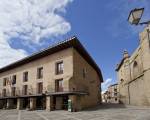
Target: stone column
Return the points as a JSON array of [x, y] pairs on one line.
[[9, 103], [19, 104], [49, 103], [32, 103]]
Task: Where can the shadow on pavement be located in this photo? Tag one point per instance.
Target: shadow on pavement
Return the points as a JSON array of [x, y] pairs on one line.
[[106, 106]]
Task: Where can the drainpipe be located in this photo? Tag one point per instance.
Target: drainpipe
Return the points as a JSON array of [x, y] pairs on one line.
[[148, 34], [129, 83]]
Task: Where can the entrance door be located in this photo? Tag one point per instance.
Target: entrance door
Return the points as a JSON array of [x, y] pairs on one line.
[[40, 102], [60, 102], [65, 103], [26, 102]]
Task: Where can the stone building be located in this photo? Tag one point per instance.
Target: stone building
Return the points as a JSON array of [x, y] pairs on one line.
[[134, 73], [111, 95], [51, 77]]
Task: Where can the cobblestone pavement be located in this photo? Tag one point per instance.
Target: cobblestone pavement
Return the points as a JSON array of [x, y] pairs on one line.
[[103, 112]]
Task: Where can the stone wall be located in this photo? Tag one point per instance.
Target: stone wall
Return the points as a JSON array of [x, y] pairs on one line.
[[89, 82], [134, 74]]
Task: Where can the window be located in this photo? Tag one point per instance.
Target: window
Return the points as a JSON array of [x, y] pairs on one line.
[[4, 92], [84, 72], [121, 80], [135, 69], [115, 94], [59, 85], [13, 91], [25, 88], [4, 81], [40, 88], [40, 73], [13, 79], [25, 76], [59, 68]]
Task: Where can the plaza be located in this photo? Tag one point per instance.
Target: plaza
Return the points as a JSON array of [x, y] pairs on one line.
[[102, 112]]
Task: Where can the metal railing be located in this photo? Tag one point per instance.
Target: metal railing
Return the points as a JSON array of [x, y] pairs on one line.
[[31, 91]]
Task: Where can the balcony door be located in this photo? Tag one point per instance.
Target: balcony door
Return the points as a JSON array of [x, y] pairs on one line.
[[59, 85]]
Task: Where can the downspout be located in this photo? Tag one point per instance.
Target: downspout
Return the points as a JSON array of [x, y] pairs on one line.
[[129, 83], [148, 34]]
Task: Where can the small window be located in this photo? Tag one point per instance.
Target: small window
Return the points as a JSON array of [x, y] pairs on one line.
[[115, 89], [25, 76], [40, 73], [4, 81], [84, 72], [115, 94], [25, 88], [59, 68], [13, 79]]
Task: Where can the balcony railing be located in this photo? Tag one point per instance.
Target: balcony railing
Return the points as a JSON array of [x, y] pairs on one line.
[[29, 92]]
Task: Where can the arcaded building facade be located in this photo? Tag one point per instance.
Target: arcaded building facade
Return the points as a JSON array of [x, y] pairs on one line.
[[134, 73], [51, 77]]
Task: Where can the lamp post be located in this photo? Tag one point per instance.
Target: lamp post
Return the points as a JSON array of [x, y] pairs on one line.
[[135, 16]]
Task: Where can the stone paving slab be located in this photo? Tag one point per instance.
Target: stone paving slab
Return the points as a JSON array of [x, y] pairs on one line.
[[103, 112]]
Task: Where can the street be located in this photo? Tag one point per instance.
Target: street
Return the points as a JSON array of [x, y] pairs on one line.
[[103, 112]]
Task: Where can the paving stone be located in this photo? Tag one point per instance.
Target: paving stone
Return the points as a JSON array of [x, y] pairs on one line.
[[103, 112]]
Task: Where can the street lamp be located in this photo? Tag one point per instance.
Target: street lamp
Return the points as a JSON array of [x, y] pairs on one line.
[[135, 16]]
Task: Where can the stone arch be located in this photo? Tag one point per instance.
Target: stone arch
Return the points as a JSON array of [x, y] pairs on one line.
[[121, 80], [135, 69]]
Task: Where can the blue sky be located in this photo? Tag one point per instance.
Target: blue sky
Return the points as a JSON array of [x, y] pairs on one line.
[[101, 26]]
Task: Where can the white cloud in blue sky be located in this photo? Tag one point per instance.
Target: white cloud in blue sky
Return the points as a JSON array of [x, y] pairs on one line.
[[30, 21], [106, 84]]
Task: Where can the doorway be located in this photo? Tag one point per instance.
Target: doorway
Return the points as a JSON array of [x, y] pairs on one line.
[[26, 103], [41, 103]]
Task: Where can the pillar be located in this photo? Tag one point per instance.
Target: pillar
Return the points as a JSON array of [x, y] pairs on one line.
[[49, 103], [32, 103], [19, 104]]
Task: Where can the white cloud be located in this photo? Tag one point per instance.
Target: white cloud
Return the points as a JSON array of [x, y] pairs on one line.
[[106, 84], [30, 21]]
